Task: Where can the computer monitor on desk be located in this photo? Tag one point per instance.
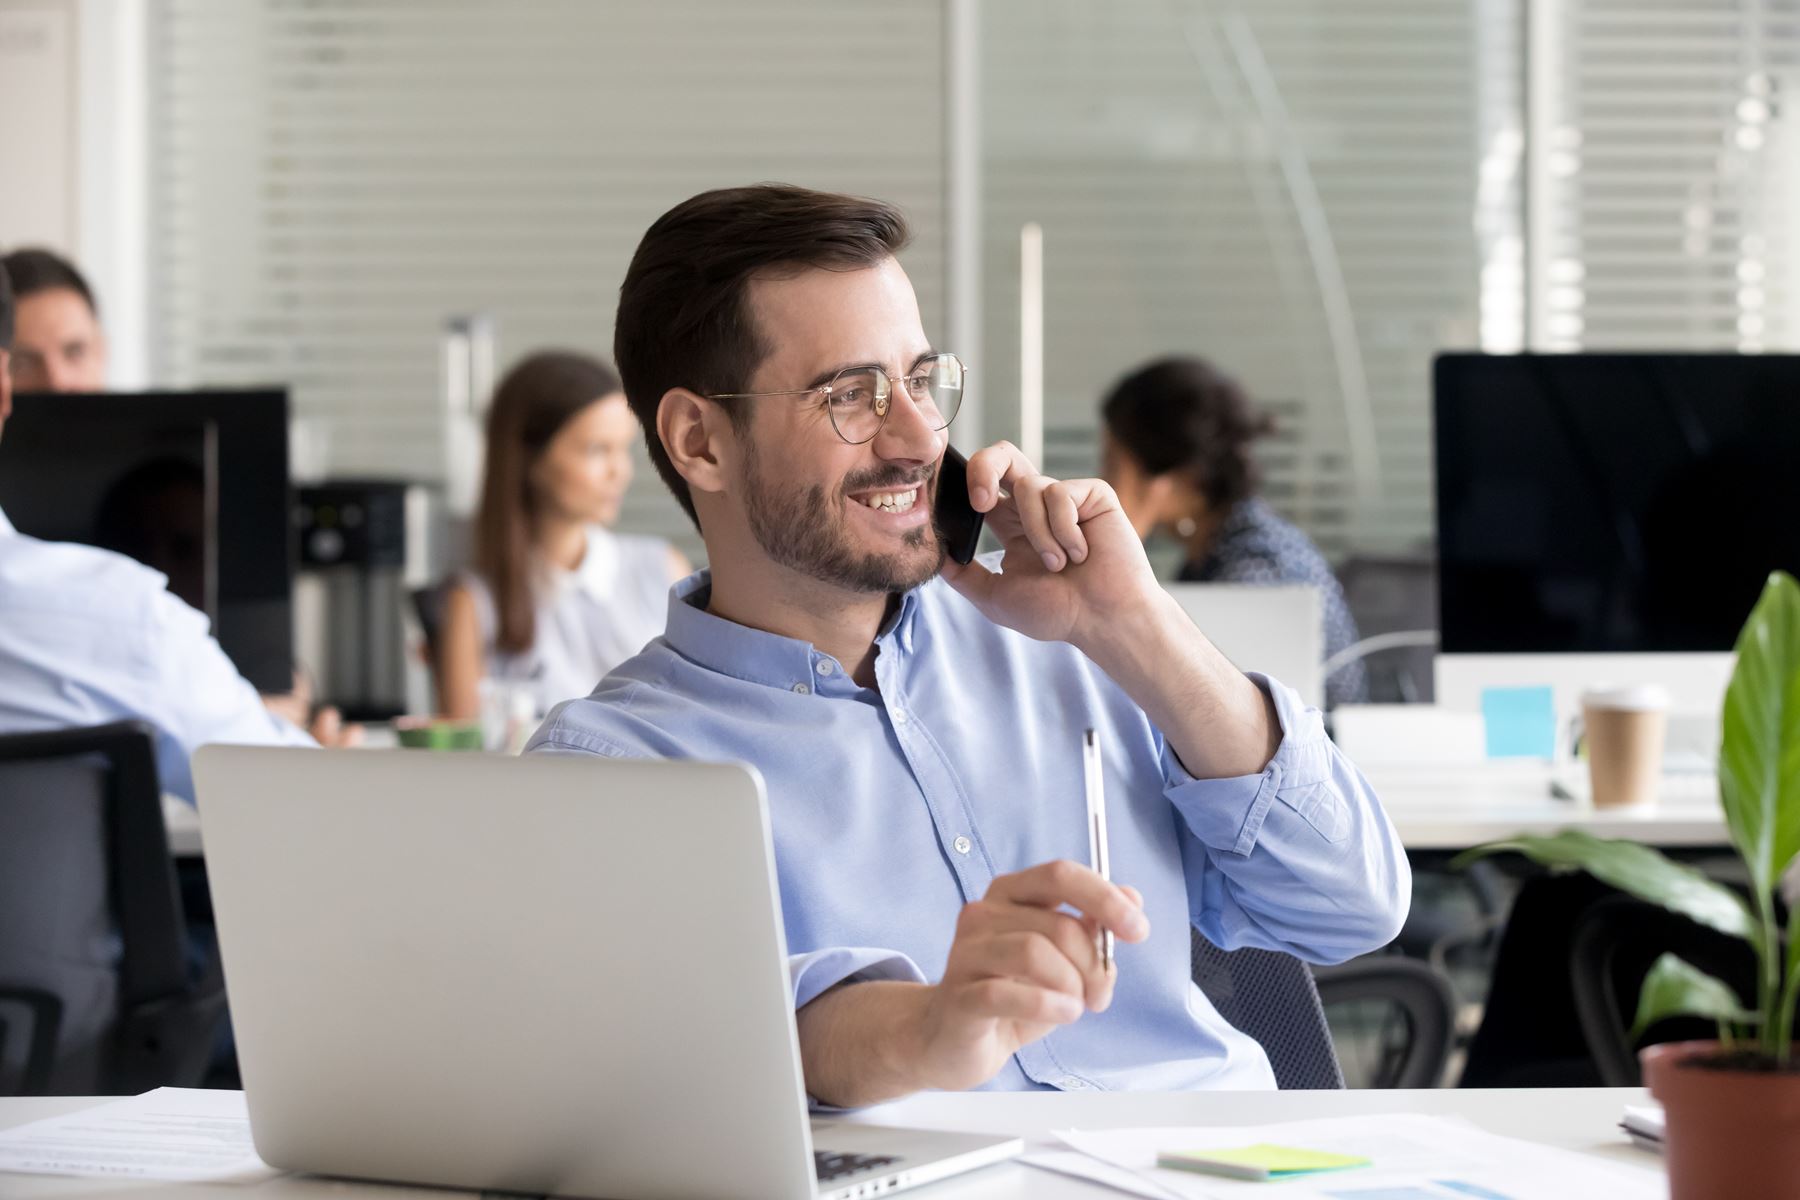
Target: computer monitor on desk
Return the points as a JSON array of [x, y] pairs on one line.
[[194, 484], [1609, 517]]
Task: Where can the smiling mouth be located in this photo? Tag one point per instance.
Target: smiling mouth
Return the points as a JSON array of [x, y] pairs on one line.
[[889, 502]]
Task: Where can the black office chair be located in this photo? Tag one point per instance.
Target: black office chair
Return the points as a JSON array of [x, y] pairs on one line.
[[428, 606], [1415, 1015], [95, 994], [1389, 594], [1615, 942], [1280, 1002], [1271, 997]]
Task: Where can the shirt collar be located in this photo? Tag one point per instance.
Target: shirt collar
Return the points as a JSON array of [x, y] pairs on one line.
[[756, 655], [6, 526]]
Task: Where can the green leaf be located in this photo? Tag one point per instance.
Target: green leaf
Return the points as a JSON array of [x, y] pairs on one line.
[[1759, 751], [1635, 868], [1673, 988]]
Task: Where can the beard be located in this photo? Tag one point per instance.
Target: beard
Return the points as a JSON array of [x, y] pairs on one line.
[[807, 531]]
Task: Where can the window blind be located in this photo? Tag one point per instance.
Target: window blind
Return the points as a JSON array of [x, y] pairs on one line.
[[334, 178], [1666, 166]]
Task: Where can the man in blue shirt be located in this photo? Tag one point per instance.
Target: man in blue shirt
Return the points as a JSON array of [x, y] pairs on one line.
[[918, 724], [88, 637]]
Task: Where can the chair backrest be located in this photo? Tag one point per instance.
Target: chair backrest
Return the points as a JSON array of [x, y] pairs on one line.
[[428, 606], [1271, 997], [1615, 942], [94, 992], [1386, 595], [1415, 992]]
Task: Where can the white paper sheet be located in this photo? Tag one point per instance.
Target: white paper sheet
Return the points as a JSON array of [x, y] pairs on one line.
[[1414, 1157], [183, 1134]]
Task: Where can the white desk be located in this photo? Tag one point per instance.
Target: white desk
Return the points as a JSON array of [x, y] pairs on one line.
[[1453, 808], [1580, 1119], [1434, 808]]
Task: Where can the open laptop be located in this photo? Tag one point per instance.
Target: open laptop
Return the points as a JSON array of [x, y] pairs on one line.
[[1277, 629], [540, 974]]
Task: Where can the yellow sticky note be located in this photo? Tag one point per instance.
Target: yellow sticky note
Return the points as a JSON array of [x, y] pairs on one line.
[[1261, 1161]]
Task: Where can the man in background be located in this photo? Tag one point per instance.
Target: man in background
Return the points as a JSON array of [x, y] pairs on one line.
[[88, 636], [58, 345]]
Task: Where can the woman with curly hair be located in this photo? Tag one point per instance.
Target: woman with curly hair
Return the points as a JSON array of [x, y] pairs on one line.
[[1177, 450]]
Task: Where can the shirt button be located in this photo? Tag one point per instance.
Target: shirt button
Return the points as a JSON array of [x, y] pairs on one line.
[[802, 688], [899, 716], [823, 667], [962, 845], [1070, 1083]]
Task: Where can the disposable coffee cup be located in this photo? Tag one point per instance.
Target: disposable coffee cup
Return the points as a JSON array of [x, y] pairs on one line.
[[1625, 731]]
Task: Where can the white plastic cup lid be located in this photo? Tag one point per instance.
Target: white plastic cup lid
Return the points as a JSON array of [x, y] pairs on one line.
[[1640, 697]]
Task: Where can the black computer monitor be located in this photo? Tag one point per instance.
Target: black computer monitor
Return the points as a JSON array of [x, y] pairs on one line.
[[1612, 502], [194, 484]]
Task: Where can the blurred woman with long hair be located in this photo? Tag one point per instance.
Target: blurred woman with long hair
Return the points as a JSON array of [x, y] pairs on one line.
[[556, 599]]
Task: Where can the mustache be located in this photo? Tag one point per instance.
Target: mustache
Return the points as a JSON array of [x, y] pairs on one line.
[[891, 478]]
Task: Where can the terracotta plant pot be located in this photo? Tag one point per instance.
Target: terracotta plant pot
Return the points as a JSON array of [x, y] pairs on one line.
[[1731, 1134]]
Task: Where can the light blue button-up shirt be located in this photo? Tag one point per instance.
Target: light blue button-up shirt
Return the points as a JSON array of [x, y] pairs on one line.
[[88, 636], [892, 808]]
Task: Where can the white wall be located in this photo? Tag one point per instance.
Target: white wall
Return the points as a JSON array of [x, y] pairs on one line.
[[73, 131], [37, 122]]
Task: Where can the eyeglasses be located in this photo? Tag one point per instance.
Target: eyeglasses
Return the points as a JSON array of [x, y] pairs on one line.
[[860, 398]]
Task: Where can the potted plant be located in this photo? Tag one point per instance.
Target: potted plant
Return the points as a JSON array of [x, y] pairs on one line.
[[1732, 1106]]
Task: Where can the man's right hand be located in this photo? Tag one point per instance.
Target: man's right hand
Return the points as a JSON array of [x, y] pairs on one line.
[[1020, 966]]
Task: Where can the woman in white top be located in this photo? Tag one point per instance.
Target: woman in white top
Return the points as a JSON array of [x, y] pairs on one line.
[[556, 599]]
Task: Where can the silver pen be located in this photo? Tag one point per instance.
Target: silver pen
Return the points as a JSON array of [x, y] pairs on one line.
[[1096, 813]]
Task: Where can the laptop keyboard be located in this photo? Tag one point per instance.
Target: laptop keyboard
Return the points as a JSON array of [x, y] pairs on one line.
[[831, 1166]]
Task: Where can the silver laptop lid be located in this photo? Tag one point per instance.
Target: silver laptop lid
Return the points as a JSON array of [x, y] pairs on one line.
[[543, 974]]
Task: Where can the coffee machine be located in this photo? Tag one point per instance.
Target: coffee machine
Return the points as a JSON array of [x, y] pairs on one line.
[[365, 546]]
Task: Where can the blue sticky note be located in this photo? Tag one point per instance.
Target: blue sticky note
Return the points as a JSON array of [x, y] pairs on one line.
[[1521, 722]]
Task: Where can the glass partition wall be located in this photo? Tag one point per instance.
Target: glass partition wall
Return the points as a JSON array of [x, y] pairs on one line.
[[1316, 195]]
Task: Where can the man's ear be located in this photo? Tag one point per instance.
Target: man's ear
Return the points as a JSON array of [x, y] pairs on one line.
[[695, 435]]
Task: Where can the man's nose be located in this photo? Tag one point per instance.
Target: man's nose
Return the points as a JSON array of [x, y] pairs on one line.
[[909, 431]]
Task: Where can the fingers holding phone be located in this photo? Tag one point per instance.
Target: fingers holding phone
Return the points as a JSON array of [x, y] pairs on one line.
[[1074, 568]]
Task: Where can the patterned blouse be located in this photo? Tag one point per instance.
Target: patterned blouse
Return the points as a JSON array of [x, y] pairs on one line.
[[1254, 545]]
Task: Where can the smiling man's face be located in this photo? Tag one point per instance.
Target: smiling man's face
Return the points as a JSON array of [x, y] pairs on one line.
[[857, 517]]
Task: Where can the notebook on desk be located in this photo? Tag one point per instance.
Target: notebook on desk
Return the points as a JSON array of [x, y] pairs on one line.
[[547, 975]]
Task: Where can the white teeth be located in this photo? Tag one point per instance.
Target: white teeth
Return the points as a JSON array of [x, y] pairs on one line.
[[894, 502]]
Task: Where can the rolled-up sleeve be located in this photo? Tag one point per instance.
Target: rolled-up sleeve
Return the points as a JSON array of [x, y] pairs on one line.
[[1299, 857], [817, 972]]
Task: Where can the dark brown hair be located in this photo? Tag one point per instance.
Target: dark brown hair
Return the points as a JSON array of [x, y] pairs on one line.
[[540, 395], [6, 309], [1184, 414], [684, 313], [35, 270]]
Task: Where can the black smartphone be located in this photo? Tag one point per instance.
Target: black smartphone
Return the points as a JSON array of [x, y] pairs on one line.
[[958, 524]]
